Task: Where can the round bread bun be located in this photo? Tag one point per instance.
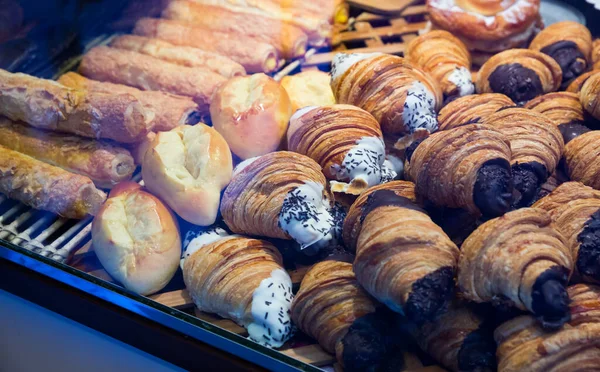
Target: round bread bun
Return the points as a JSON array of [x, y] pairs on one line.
[[309, 88], [252, 114], [187, 167], [136, 239]]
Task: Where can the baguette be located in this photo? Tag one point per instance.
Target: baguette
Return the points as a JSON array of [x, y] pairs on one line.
[[103, 163], [44, 186], [180, 55], [149, 73], [168, 110], [253, 55], [289, 40]]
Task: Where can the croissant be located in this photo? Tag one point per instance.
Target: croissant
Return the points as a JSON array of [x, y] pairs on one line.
[[576, 85], [521, 259], [279, 195], [403, 98], [466, 167], [347, 143], [242, 279], [590, 95], [536, 145], [585, 304], [460, 340], [521, 74], [596, 54], [560, 107], [569, 44], [575, 210], [403, 259], [446, 58], [581, 154], [525, 346], [471, 109]]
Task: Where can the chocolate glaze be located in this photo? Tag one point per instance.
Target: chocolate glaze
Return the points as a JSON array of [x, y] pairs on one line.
[[569, 57], [527, 178], [572, 130], [193, 118], [410, 150], [383, 198], [519, 83], [550, 300], [429, 295], [493, 189], [588, 258], [478, 350], [457, 223]]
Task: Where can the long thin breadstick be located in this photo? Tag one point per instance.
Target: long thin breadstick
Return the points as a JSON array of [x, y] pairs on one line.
[[181, 55], [255, 56]]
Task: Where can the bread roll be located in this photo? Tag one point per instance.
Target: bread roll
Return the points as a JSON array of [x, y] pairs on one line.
[[308, 88], [136, 239], [252, 114]]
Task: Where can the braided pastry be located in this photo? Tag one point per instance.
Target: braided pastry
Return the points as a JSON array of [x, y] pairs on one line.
[[466, 167], [590, 95], [581, 158], [521, 259], [585, 304], [536, 145], [402, 98], [569, 44], [471, 109], [576, 85], [575, 210], [560, 107], [353, 222], [521, 74], [403, 259], [241, 279], [347, 143], [446, 58]]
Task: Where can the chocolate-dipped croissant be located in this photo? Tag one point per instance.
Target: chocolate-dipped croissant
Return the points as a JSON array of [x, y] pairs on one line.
[[590, 95], [446, 58], [347, 143], [471, 109], [279, 195], [466, 167], [241, 279], [581, 158], [560, 107], [536, 145], [521, 74], [585, 304], [353, 221], [403, 98], [569, 44], [403, 259], [519, 259], [575, 211], [460, 339]]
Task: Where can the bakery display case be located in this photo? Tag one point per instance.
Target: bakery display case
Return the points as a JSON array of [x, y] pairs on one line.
[[275, 185]]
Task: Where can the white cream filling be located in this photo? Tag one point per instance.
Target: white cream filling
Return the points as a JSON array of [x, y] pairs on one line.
[[364, 162], [196, 239], [419, 109], [305, 215], [343, 61], [241, 166], [461, 77], [395, 164], [512, 14], [271, 303]]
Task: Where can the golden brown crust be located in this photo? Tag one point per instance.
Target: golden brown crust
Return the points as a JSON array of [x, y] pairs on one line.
[[506, 255], [576, 85], [328, 302], [308, 88], [104, 163], [253, 200], [543, 65], [565, 31], [585, 304], [440, 54], [471, 109], [43, 186], [596, 54], [352, 222], [581, 159], [590, 95], [560, 107], [222, 276], [445, 170]]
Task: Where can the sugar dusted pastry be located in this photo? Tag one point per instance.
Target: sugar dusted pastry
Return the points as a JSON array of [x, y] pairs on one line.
[[560, 107], [403, 259], [520, 260], [279, 195], [575, 210], [188, 167], [347, 143], [466, 167], [590, 95], [446, 58], [471, 109], [521, 74], [252, 114], [241, 279], [569, 43], [403, 98], [308, 88], [581, 154]]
